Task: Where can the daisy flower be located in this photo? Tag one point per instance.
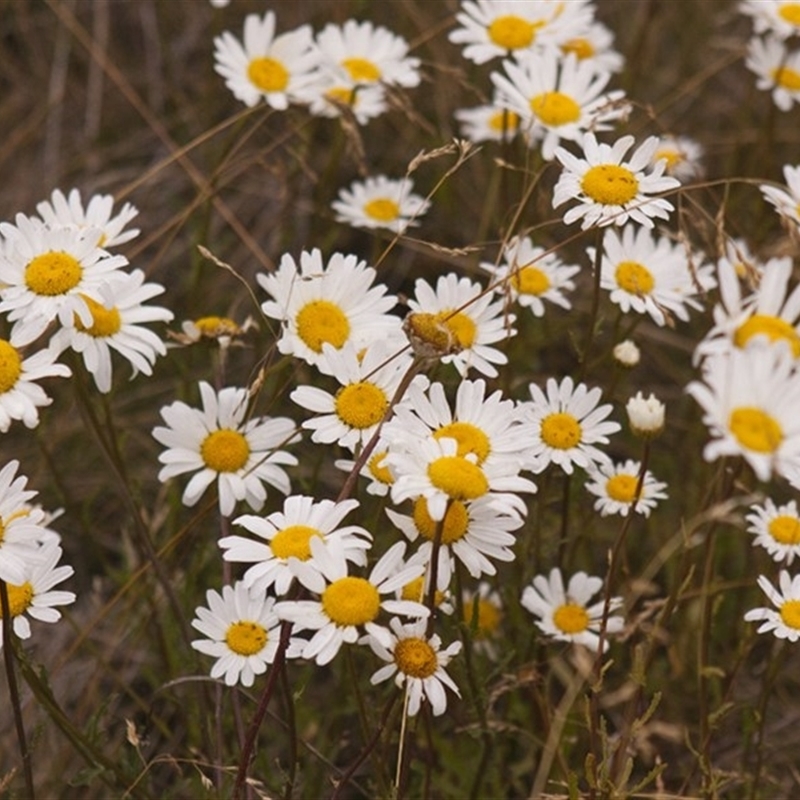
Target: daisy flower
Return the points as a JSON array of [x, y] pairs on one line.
[[466, 315], [682, 155], [219, 443], [777, 70], [287, 534], [615, 487], [492, 28], [566, 615], [329, 96], [47, 274], [116, 326], [487, 123], [785, 622], [62, 211], [368, 382], [376, 470], [595, 44], [650, 275], [531, 275], [787, 203], [567, 423], [34, 595], [334, 303], [379, 202], [366, 54], [20, 394], [778, 17], [610, 189], [416, 662], [557, 98], [266, 66], [483, 614], [347, 603], [418, 589], [776, 529], [242, 632], [222, 330], [750, 400]]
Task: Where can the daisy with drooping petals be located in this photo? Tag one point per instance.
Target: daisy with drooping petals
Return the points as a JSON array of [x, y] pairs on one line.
[[557, 98], [221, 445], [62, 211], [776, 529], [786, 200], [366, 54], [682, 155], [750, 400], [487, 123], [379, 202], [778, 17], [116, 325], [531, 275], [266, 66], [34, 595], [368, 382], [777, 70], [347, 603], [785, 621], [334, 303], [595, 44], [467, 316], [567, 423], [287, 534], [417, 662], [47, 274], [610, 189], [566, 615], [651, 275], [615, 487], [242, 632]]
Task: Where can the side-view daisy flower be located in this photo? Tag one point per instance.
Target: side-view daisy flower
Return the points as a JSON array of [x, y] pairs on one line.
[[264, 65], [376, 470], [784, 619], [380, 202], [417, 662], [566, 614], [595, 43], [776, 529], [242, 632], [615, 487], [777, 70], [332, 96], [778, 17], [483, 615], [219, 444], [487, 123], [287, 534], [610, 189], [682, 155], [786, 200]]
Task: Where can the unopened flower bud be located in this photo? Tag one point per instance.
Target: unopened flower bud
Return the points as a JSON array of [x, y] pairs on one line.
[[646, 417], [627, 353]]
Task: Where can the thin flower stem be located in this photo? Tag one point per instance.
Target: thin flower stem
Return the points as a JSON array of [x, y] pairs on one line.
[[401, 744], [13, 690], [590, 328], [288, 699]]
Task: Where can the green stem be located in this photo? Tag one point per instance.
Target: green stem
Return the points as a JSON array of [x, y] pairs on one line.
[[590, 329]]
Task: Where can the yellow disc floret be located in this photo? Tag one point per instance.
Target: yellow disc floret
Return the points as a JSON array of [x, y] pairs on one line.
[[571, 618], [246, 638], [378, 469], [555, 108], [512, 32], [361, 70], [790, 12], [268, 75], [755, 430], [774, 328], [561, 431], [415, 657], [361, 405], [20, 596], [10, 366], [786, 78], [382, 209], [351, 601], [504, 121], [462, 328], [321, 321], [294, 541], [225, 450], [582, 48], [454, 525], [622, 488], [470, 439], [489, 616], [785, 529], [105, 321], [52, 274], [530, 280], [790, 614], [634, 278], [610, 184], [458, 478]]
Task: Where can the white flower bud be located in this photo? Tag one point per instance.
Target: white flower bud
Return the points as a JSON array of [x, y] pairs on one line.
[[646, 417], [627, 353]]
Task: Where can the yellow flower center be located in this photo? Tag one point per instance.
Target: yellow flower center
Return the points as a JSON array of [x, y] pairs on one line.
[[462, 328], [634, 278], [454, 525], [415, 657], [246, 638], [294, 541], [755, 430], [530, 280], [504, 121], [555, 108], [489, 616], [361, 70], [470, 438], [216, 326], [671, 156], [610, 184], [379, 470], [787, 78], [351, 601], [426, 331], [790, 12], [571, 618], [582, 48], [105, 321], [512, 32], [268, 74], [346, 95], [19, 598], [361, 405], [321, 321], [225, 450], [10, 366], [774, 328], [458, 478], [622, 488], [785, 529], [790, 613], [53, 273], [415, 591], [382, 209], [561, 430]]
